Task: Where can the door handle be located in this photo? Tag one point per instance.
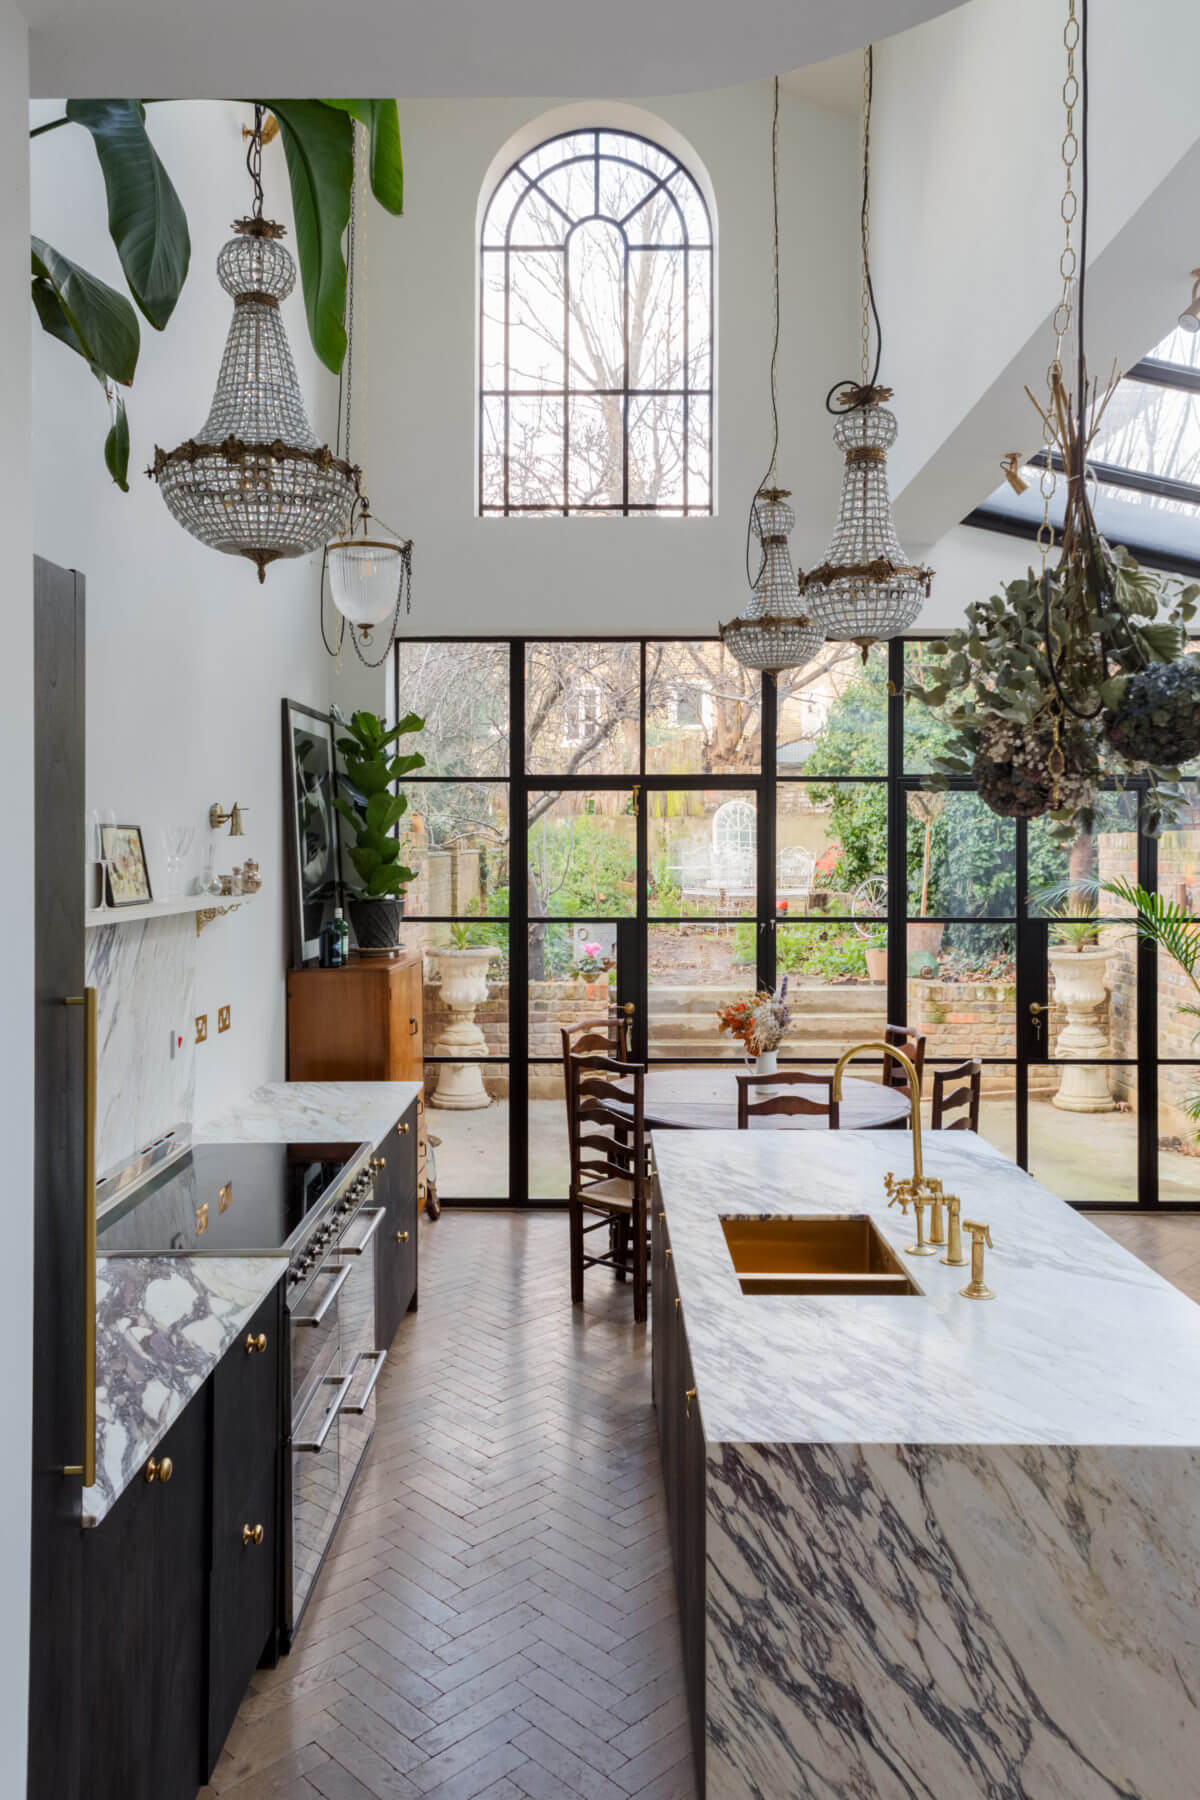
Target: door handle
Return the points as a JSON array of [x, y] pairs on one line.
[[412, 1027], [1036, 1009], [91, 1039]]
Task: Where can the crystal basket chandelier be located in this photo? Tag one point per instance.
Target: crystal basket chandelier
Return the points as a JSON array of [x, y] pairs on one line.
[[865, 589], [255, 481], [775, 632]]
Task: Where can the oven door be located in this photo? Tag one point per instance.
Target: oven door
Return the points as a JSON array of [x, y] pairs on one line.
[[318, 1386]]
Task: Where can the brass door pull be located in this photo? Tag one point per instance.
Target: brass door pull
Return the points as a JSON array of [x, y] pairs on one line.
[[688, 1397], [256, 1341], [160, 1469], [252, 1534], [402, 1237]]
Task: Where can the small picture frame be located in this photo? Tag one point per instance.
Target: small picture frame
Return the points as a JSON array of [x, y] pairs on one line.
[[127, 877]]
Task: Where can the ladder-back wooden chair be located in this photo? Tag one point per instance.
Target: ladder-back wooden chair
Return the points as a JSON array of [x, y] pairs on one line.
[[954, 1089], [610, 1170], [775, 1103], [912, 1042]]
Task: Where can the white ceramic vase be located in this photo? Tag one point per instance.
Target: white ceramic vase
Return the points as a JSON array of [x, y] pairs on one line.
[[464, 986], [1080, 986]]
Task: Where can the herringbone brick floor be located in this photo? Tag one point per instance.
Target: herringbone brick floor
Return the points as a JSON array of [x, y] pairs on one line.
[[498, 1618]]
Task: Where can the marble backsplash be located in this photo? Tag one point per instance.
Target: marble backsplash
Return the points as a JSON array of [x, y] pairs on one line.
[[145, 974]]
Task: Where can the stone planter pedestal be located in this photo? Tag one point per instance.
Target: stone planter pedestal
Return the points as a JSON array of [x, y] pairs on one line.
[[1080, 986], [464, 986]]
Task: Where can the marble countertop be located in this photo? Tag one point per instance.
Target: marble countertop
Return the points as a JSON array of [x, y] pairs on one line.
[[1083, 1343], [297, 1112], [163, 1324]]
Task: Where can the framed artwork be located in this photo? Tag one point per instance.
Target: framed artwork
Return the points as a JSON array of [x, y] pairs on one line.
[[314, 848], [125, 858]]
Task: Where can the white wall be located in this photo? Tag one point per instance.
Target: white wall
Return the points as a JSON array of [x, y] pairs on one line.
[[607, 575], [16, 903], [966, 229], [188, 657]]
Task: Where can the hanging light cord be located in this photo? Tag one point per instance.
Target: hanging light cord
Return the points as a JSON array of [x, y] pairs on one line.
[[850, 394], [254, 150], [768, 479]]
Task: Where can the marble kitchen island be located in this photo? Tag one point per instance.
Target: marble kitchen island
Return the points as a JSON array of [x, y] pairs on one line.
[[928, 1546]]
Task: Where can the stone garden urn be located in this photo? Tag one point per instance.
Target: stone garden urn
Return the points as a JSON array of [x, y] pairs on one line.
[[464, 987], [1080, 986]]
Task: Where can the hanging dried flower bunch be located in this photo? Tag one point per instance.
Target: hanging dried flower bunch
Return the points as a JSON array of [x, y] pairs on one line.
[[1072, 675]]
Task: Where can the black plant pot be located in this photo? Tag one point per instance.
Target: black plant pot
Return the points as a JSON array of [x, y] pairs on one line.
[[377, 925]]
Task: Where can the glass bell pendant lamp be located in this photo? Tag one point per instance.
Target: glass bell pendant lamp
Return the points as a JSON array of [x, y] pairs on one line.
[[367, 568], [255, 481]]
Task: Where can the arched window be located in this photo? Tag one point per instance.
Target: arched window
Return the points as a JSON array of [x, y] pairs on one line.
[[596, 333]]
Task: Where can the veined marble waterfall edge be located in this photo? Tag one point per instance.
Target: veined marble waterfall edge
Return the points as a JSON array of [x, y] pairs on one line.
[[145, 975], [930, 1621]]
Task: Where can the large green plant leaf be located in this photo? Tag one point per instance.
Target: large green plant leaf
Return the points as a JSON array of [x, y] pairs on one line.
[[146, 220], [90, 317], [382, 121], [116, 446], [318, 144]]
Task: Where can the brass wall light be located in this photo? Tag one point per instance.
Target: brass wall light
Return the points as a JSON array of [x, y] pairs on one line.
[[233, 818], [1189, 318]]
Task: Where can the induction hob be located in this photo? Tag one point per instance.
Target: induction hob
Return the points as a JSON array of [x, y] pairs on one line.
[[247, 1199]]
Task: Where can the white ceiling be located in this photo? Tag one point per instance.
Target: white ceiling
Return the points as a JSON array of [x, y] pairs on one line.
[[451, 48]]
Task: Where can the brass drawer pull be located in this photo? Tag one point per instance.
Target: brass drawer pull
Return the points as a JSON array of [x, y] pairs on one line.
[[402, 1237], [678, 1303], [252, 1534], [667, 1254], [379, 1162], [688, 1397], [256, 1341], [160, 1469]]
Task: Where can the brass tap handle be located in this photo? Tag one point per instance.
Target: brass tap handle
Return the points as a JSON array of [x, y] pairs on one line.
[[160, 1469], [977, 1288], [252, 1534], [954, 1249], [256, 1341]]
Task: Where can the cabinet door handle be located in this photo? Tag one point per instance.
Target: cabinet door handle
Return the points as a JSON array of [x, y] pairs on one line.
[[402, 1237], [667, 1254], [379, 1162], [91, 1041], [413, 1027], [252, 1534], [403, 1130], [678, 1303], [688, 1397], [160, 1469], [256, 1341]]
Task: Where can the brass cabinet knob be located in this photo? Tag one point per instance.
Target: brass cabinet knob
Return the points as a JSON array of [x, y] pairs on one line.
[[667, 1254], [379, 1162], [252, 1534], [160, 1468], [678, 1303], [256, 1341], [688, 1397], [403, 1129], [402, 1237]]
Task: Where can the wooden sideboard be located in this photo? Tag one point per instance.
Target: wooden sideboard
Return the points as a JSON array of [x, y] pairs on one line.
[[362, 1022]]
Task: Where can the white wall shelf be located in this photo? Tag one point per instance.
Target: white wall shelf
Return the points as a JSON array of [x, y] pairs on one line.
[[206, 907]]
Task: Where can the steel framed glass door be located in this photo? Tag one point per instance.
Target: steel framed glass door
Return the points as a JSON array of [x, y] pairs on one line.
[[643, 823]]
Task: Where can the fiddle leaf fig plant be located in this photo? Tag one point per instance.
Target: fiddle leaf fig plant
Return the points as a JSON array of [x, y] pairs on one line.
[[373, 810]]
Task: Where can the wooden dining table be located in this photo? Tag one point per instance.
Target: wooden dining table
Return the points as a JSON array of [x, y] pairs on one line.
[[706, 1100]]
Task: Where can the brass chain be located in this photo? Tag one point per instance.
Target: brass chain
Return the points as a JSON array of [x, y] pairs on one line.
[[866, 218], [1068, 264]]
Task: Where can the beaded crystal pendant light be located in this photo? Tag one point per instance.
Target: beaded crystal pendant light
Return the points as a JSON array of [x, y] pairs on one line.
[[368, 565], [774, 632], [866, 588], [255, 481]]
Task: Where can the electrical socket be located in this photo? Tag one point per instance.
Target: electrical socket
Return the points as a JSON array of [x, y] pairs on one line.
[[222, 1018], [201, 1027]]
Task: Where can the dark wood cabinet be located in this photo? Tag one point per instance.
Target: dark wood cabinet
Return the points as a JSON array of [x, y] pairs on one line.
[[396, 1260], [247, 1403], [145, 1571], [682, 1444]]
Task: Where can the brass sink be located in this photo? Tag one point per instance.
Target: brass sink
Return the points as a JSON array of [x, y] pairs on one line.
[[814, 1256]]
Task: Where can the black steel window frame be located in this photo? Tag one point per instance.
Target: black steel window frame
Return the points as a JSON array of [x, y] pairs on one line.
[[507, 508], [1029, 933]]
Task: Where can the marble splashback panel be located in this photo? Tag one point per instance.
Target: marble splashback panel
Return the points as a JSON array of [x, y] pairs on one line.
[[915, 1622], [145, 974]]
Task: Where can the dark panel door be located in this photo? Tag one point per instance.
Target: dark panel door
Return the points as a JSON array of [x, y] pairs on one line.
[[59, 1175]]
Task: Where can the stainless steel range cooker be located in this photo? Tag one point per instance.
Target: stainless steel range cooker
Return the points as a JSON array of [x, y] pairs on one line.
[[313, 1204]]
